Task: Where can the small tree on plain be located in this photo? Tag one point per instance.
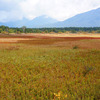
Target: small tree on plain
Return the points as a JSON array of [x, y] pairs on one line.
[[24, 27]]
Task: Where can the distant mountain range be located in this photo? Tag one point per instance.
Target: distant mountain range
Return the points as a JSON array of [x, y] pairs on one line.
[[37, 22], [87, 19]]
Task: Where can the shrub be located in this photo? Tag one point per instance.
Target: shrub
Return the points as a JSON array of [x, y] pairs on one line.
[[18, 32], [98, 31], [87, 69], [75, 47], [73, 31], [4, 32]]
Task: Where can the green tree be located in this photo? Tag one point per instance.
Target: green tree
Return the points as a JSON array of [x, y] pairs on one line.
[[24, 27], [11, 30], [73, 31], [98, 31], [1, 30]]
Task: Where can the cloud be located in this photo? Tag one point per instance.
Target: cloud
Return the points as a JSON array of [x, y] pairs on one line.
[[10, 10], [58, 9]]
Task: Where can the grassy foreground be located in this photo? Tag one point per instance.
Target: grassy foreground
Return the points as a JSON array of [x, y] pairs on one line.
[[29, 72]]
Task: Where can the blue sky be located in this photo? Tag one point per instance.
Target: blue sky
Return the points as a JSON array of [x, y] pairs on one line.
[[11, 10]]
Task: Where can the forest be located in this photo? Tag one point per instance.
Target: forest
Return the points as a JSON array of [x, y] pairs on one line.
[[24, 29]]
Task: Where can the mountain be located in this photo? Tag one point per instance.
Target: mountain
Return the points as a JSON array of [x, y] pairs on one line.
[[41, 21], [87, 19], [37, 22], [17, 23]]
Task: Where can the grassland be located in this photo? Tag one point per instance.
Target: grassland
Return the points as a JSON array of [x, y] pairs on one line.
[[49, 68]]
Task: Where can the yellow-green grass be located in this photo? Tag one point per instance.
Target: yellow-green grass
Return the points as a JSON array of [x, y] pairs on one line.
[[49, 72]]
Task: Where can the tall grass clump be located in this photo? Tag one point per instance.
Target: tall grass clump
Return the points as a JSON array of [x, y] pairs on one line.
[[75, 47]]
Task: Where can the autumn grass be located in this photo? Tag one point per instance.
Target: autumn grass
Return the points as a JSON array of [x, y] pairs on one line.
[[44, 71]]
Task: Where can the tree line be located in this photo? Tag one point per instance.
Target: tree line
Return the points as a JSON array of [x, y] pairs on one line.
[[8, 30]]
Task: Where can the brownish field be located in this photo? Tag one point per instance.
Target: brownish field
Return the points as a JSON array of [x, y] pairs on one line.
[[50, 67], [83, 41], [65, 35]]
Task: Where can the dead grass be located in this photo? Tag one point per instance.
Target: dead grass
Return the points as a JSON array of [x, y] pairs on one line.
[[10, 40], [50, 40], [64, 35]]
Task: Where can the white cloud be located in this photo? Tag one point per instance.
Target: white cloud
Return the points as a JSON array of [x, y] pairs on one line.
[[10, 10], [58, 9]]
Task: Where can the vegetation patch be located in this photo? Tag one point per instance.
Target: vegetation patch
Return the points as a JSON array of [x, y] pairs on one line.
[[75, 47], [43, 71]]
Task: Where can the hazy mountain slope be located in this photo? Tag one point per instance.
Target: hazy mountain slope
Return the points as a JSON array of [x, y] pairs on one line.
[[87, 19], [18, 23], [41, 21], [37, 22]]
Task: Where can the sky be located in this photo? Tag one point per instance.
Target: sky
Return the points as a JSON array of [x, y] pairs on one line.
[[11, 10]]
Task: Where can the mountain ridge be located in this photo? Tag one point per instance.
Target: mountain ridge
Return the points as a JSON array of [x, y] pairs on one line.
[[36, 22], [87, 19]]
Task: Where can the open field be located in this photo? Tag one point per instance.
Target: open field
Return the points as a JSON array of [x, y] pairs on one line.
[[49, 67], [66, 35]]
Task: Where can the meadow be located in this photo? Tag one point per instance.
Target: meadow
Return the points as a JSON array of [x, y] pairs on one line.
[[49, 68]]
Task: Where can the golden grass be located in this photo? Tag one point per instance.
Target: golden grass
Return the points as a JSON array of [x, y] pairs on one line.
[[64, 35], [4, 40]]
